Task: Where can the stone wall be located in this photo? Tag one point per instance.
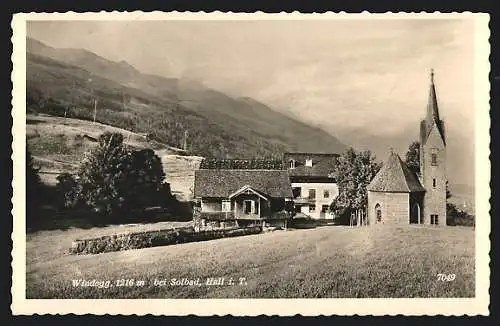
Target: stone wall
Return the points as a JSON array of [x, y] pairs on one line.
[[395, 207]]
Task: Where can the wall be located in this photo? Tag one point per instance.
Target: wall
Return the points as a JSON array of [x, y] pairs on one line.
[[319, 200], [211, 205], [238, 208], [395, 207], [435, 198]]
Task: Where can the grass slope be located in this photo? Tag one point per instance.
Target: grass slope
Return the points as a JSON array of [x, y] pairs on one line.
[[337, 262], [58, 145], [218, 125]]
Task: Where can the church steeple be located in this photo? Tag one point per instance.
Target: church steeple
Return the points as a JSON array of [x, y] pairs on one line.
[[432, 106], [432, 117]]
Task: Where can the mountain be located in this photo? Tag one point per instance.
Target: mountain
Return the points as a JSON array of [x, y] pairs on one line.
[[65, 81]]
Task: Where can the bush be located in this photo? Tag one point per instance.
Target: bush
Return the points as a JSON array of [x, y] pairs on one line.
[[119, 242], [455, 216]]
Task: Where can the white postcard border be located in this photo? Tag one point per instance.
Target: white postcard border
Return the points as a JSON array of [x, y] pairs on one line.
[[252, 307]]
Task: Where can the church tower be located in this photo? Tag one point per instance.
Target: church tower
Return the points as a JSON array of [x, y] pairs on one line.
[[433, 162]]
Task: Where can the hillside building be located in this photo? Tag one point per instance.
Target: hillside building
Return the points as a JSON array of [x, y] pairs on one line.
[[243, 196]]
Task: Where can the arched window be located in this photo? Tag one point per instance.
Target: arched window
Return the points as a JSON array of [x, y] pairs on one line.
[[291, 164], [378, 213]]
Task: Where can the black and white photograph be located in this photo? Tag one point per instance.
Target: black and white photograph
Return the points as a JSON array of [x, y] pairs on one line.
[[228, 156]]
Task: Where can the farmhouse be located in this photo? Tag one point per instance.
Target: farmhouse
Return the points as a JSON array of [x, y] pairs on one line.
[[243, 196], [396, 195], [313, 184]]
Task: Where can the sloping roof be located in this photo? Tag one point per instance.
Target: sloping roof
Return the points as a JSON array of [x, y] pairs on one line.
[[222, 183], [323, 164], [394, 176]]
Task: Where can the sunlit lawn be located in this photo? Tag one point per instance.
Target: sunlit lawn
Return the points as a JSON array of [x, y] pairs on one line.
[[329, 261]]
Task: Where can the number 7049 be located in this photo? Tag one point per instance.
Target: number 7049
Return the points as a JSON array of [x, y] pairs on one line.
[[446, 277]]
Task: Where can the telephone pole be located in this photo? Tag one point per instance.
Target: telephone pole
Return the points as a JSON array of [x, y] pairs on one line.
[[95, 108], [185, 140]]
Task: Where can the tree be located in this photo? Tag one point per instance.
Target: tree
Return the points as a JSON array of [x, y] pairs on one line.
[[33, 189], [412, 157], [353, 172], [114, 179]]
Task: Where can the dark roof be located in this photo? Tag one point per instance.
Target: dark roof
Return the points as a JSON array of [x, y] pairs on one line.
[[394, 176], [323, 164], [222, 183], [241, 164]]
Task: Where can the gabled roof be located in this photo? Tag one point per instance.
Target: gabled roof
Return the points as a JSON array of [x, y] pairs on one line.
[[222, 183], [323, 164], [394, 176], [247, 189]]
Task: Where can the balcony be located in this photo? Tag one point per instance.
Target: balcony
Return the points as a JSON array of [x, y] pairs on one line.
[[303, 201], [217, 216]]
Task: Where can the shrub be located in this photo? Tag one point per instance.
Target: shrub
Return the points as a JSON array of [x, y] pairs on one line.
[[455, 216], [127, 241]]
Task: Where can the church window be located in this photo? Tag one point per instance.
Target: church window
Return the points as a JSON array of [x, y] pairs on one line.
[[433, 183], [434, 219], [378, 213], [291, 164], [434, 156]]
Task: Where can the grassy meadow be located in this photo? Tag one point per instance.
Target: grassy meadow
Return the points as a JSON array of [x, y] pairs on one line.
[[330, 261]]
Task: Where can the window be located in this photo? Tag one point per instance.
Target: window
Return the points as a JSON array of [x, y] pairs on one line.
[[256, 207], [312, 193], [247, 207], [296, 192], [433, 183], [226, 205], [326, 193], [309, 162], [325, 208], [434, 219], [378, 213], [434, 156], [291, 164], [312, 208]]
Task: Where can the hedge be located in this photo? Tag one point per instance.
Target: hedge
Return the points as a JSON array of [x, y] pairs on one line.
[[127, 241]]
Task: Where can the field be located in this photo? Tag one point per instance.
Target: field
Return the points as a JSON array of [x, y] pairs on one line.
[[330, 261]]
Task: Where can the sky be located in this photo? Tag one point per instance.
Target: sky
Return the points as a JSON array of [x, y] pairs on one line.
[[364, 81]]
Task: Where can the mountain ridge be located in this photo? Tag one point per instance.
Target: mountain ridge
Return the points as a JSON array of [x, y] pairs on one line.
[[229, 120]]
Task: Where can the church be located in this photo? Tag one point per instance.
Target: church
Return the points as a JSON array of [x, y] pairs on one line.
[[398, 196]]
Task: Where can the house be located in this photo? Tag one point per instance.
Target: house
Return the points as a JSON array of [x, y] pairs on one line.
[[243, 196], [396, 195], [313, 184]]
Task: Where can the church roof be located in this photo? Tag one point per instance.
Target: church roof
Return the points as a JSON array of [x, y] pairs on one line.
[[394, 176]]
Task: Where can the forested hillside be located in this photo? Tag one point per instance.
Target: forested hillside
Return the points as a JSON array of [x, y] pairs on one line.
[[66, 82]]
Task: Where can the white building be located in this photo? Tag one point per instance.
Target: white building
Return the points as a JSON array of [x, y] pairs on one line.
[[313, 185]]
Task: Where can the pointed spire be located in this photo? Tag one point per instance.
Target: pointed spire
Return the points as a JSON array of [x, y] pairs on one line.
[[432, 106]]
